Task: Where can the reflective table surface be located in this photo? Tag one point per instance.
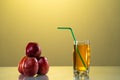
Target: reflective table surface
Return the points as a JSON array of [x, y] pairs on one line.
[[63, 73]]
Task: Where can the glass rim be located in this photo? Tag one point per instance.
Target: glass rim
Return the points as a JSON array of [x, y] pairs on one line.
[[82, 42]]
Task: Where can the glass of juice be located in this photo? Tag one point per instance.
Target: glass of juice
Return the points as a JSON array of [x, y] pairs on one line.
[[79, 68]]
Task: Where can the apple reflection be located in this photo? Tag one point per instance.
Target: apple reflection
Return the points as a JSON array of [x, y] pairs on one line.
[[38, 77]]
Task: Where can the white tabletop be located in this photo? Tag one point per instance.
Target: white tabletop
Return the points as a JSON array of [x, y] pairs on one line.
[[63, 73]]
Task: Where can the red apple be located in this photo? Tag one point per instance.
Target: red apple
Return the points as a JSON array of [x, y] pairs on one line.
[[28, 66], [43, 65], [33, 50], [21, 64]]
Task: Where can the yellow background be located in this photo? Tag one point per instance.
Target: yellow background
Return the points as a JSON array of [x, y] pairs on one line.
[[22, 21]]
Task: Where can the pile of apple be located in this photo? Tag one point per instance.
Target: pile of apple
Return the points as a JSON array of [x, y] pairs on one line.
[[33, 63]]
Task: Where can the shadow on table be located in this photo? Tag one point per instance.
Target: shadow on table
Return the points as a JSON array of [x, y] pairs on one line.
[[38, 77]]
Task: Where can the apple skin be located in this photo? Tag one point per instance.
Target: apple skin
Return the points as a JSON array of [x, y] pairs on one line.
[[28, 66], [43, 66], [33, 50]]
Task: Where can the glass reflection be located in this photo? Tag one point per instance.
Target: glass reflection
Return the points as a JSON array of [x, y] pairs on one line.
[[38, 77]]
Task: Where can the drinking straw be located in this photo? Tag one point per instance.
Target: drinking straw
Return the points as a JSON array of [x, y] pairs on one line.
[[69, 28]]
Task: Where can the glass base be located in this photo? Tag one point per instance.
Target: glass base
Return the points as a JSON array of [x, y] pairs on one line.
[[82, 78], [81, 75]]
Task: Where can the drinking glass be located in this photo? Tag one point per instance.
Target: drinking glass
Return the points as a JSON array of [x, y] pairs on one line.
[[81, 58]]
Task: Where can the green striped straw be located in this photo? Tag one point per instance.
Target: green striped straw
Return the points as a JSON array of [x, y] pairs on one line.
[[69, 28]]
